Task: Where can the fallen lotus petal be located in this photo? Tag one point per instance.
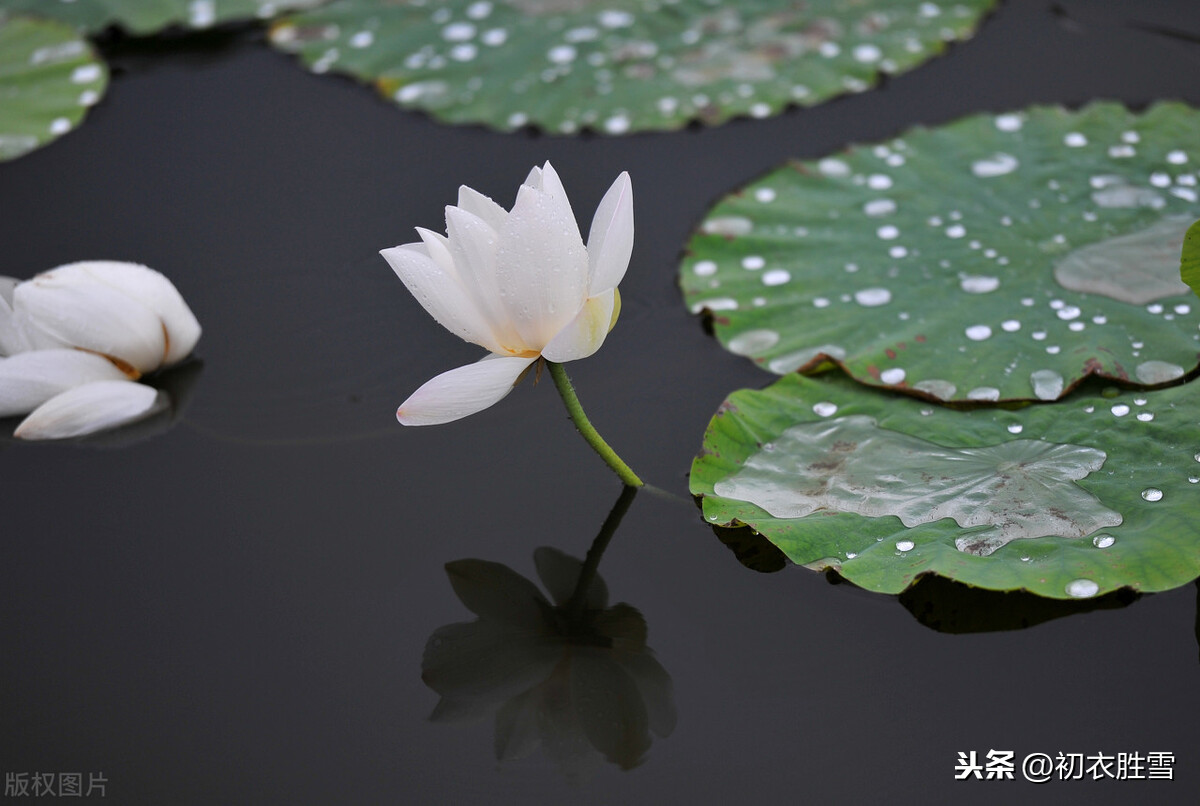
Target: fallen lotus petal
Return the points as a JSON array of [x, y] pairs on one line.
[[90, 408], [125, 311], [27, 380], [520, 284]]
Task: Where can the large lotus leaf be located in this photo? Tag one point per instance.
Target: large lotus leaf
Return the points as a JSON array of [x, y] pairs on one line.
[[1074, 499], [147, 16], [1189, 260], [998, 257], [622, 65], [48, 79]]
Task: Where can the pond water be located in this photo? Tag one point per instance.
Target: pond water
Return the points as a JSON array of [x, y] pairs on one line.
[[234, 609]]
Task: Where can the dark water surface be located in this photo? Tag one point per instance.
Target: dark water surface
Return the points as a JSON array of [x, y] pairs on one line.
[[234, 611]]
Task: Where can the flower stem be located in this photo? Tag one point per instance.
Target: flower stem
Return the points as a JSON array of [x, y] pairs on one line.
[[589, 432]]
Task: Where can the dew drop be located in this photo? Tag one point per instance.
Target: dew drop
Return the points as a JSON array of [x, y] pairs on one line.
[[998, 164], [765, 195], [617, 124], [1009, 123], [561, 54], [705, 268], [955, 231], [879, 181], [942, 390], [753, 342], [879, 207], [990, 393], [1152, 494], [833, 167], [1082, 588], [824, 409], [1047, 384], [728, 225], [905, 545], [494, 37], [867, 53], [892, 376], [85, 74], [1016, 428], [1010, 325], [873, 297], [979, 284], [978, 332], [1074, 140], [753, 262], [776, 277], [1145, 416], [458, 32], [1103, 541], [1120, 410], [1158, 372], [719, 304]]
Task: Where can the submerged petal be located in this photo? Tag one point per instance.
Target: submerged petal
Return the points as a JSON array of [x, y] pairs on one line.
[[462, 391], [439, 291], [584, 335], [485, 663], [610, 240], [89, 408], [29, 379], [496, 592], [541, 264]]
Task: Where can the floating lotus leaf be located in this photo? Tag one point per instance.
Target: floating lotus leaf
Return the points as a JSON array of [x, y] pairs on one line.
[[1189, 261], [998, 257], [1070, 500], [623, 65], [48, 79], [147, 16]]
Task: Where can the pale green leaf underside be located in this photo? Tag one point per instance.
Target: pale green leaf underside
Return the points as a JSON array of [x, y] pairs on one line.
[[997, 257], [624, 65], [1111, 482], [1189, 261], [148, 16], [48, 79]]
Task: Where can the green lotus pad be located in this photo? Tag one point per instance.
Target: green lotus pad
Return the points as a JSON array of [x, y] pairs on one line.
[[623, 65], [998, 257], [1070, 500], [1189, 260], [148, 16], [48, 79]]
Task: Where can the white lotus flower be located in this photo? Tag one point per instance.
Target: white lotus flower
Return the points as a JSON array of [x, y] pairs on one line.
[[124, 311], [520, 284], [76, 335]]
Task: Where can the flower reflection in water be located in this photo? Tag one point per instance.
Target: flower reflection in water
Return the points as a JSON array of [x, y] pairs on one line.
[[568, 672]]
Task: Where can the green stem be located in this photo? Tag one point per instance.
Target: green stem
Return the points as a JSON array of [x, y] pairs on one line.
[[589, 432]]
